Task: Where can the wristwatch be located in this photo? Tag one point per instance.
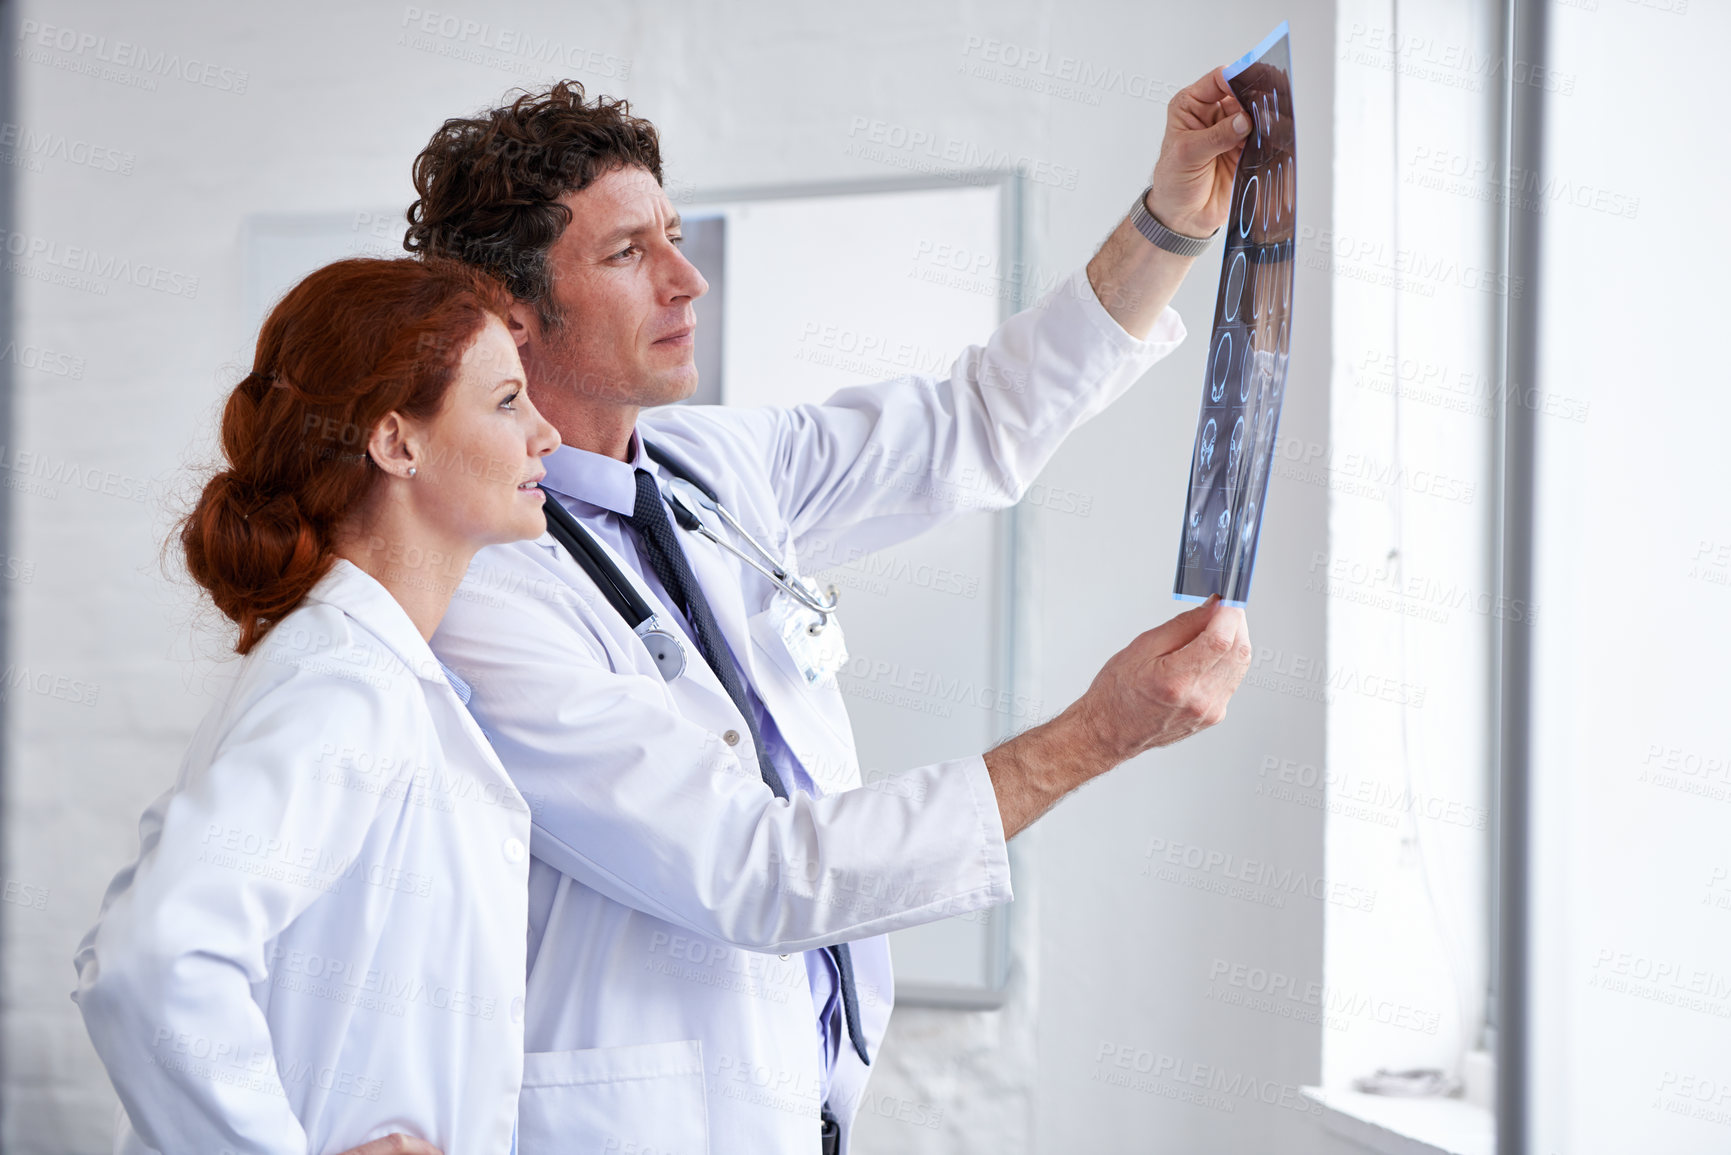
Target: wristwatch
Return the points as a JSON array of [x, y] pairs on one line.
[[1160, 235]]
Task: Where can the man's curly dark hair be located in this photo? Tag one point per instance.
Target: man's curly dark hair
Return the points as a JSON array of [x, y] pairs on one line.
[[489, 187]]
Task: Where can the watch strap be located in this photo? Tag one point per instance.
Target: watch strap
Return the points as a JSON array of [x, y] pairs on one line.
[[1161, 236]]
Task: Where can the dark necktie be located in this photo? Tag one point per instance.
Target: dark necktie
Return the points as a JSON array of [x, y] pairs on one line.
[[667, 559]]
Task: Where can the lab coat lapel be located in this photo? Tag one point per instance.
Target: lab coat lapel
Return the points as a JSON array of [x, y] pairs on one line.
[[698, 679], [370, 605], [824, 747], [358, 595], [812, 720]]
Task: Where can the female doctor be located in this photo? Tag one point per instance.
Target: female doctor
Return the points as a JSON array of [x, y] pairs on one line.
[[321, 945]]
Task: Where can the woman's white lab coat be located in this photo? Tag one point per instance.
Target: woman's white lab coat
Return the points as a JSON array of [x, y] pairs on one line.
[[322, 939]]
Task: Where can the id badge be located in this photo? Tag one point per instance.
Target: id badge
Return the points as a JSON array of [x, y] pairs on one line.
[[817, 646]]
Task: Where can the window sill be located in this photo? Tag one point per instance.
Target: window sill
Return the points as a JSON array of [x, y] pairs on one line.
[[1391, 1126]]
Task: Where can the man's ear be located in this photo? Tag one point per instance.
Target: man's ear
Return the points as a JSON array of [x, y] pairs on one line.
[[393, 446], [524, 323]]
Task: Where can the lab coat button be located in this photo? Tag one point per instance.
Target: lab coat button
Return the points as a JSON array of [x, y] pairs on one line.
[[731, 737], [782, 957], [513, 850], [517, 1009]]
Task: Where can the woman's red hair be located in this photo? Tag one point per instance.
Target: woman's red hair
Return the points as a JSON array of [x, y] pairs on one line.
[[351, 343]]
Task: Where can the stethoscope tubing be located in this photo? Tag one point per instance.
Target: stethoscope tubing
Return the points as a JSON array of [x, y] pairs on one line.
[[687, 498], [687, 501]]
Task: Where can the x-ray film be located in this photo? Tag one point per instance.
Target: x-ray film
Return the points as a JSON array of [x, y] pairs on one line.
[[1245, 376]]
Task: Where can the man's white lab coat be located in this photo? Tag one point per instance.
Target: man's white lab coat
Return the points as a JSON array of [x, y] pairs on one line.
[[668, 1008]]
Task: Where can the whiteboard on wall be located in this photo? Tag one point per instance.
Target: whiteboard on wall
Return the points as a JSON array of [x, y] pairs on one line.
[[278, 249], [826, 287], [814, 289]]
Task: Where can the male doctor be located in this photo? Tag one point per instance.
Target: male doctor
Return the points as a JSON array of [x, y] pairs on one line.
[[710, 885]]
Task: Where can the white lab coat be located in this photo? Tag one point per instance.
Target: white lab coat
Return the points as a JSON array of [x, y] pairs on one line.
[[667, 1008], [322, 940]]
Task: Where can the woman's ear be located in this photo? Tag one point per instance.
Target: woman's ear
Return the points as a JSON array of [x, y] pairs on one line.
[[393, 446]]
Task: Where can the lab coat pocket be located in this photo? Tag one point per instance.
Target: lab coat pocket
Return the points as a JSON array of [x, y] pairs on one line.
[[641, 1098]]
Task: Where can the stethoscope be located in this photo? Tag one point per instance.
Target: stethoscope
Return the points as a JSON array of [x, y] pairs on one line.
[[689, 499]]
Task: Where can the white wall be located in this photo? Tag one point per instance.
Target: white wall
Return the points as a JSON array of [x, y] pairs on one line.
[[337, 99], [1632, 771]]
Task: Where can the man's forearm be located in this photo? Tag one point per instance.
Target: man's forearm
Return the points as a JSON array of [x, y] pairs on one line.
[[1135, 279], [1034, 770]]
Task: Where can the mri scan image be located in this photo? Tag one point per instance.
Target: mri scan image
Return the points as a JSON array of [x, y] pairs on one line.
[[1235, 286], [1245, 376], [1222, 366], [1259, 375]]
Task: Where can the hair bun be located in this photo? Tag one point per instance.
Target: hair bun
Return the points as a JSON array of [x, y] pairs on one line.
[[255, 551]]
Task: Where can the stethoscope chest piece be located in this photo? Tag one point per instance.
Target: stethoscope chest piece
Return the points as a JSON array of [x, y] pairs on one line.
[[665, 649]]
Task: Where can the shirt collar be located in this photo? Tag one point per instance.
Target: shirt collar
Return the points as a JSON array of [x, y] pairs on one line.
[[464, 693], [595, 479]]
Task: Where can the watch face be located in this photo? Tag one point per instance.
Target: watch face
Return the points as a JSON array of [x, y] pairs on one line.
[[1245, 371]]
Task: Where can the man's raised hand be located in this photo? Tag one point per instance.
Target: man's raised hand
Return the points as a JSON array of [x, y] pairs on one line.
[[1205, 132]]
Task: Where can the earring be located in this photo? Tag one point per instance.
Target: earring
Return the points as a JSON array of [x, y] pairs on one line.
[[411, 471]]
